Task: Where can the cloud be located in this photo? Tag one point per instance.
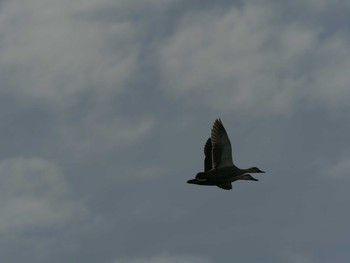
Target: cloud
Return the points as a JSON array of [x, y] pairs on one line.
[[105, 106], [75, 63], [340, 169], [296, 257], [241, 58], [34, 195], [54, 55], [100, 133], [165, 258]]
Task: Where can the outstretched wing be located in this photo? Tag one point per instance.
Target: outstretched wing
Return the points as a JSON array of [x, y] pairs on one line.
[[207, 153], [226, 186], [221, 146]]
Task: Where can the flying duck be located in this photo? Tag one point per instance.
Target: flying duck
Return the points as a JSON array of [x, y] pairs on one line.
[[219, 169]]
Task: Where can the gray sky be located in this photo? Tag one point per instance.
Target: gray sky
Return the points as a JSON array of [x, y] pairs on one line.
[[105, 107]]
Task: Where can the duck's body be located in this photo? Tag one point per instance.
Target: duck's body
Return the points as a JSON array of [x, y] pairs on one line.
[[222, 178], [219, 169]]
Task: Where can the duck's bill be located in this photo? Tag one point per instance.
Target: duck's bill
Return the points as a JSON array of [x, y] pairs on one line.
[[261, 171], [254, 179]]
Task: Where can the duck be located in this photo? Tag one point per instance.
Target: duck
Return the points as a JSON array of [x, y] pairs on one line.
[[219, 169]]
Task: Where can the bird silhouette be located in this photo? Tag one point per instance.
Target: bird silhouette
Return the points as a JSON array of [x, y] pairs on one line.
[[219, 169]]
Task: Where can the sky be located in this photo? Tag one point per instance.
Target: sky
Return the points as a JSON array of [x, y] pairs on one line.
[[105, 107]]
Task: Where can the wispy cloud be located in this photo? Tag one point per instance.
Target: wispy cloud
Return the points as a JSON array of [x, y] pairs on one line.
[[35, 195], [54, 55], [165, 258], [105, 106], [240, 58], [296, 257], [339, 169]]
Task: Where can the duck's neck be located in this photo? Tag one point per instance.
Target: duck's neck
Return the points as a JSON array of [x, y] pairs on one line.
[[248, 170]]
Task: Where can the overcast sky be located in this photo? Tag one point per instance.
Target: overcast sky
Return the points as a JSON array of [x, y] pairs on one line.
[[105, 107]]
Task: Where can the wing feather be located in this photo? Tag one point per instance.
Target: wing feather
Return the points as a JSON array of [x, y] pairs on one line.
[[207, 153], [221, 146]]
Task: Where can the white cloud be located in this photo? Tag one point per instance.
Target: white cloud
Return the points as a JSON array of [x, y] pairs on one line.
[[292, 256], [77, 58], [51, 52], [323, 6], [165, 258], [59, 55], [341, 168], [34, 195], [244, 59], [95, 134]]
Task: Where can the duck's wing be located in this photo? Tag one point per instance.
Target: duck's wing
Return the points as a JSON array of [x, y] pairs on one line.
[[226, 186], [207, 153], [221, 146]]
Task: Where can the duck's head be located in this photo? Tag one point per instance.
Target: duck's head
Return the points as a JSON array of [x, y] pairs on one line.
[[255, 170]]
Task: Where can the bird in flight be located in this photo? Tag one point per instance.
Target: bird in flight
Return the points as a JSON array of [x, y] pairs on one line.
[[219, 169]]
